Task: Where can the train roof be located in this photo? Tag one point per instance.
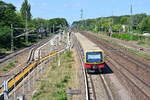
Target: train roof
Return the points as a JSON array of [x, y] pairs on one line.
[[86, 44], [94, 50]]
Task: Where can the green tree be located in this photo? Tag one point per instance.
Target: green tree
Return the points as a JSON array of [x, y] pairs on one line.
[[124, 20], [26, 10], [117, 28], [8, 16], [145, 24]]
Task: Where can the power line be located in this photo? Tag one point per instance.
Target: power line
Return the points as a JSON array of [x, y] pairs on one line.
[[81, 16]]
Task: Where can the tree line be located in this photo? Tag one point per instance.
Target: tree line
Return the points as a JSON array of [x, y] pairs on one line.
[[138, 23], [21, 20]]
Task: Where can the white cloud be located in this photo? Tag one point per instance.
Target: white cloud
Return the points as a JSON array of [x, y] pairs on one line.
[[72, 5], [39, 4]]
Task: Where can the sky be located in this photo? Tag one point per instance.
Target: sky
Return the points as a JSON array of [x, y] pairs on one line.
[[70, 9]]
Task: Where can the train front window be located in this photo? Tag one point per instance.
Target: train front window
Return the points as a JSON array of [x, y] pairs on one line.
[[94, 57]]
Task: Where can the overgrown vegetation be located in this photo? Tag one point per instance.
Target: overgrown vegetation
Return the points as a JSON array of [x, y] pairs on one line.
[[128, 28], [9, 66], [56, 79], [138, 23], [9, 16], [138, 53], [145, 41], [127, 37]]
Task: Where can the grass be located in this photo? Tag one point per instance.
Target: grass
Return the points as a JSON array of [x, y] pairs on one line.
[[9, 66], [140, 54], [126, 37], [130, 37], [145, 43], [3, 50], [135, 52], [56, 79]]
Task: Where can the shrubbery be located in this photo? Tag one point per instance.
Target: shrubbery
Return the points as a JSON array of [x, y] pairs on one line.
[[126, 37]]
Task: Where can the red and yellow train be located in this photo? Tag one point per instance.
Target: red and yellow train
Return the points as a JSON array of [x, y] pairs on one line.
[[94, 60]]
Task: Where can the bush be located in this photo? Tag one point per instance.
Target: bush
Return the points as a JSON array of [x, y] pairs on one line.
[[9, 66], [60, 95], [126, 37], [68, 54]]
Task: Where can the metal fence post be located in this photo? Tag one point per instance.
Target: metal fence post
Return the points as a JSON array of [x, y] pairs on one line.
[[5, 84]]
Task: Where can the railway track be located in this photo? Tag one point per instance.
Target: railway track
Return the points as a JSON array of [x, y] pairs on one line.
[[30, 66], [90, 88], [142, 89], [29, 81], [140, 82], [95, 83], [18, 52], [8, 74], [119, 52]]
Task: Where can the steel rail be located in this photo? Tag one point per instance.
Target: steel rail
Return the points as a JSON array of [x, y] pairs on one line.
[[90, 88], [121, 53], [77, 46], [17, 52], [104, 46], [126, 76], [29, 68], [108, 91]]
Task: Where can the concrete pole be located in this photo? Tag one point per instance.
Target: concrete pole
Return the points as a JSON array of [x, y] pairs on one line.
[[14, 88], [131, 16], [53, 29], [28, 81], [23, 84], [12, 39], [5, 84], [58, 60], [26, 27]]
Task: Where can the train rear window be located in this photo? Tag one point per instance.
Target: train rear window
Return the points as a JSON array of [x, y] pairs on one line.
[[92, 57]]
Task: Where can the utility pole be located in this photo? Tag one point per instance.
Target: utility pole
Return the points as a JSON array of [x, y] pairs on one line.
[[5, 85], [12, 39], [53, 28], [81, 15], [14, 86], [131, 15], [26, 29], [101, 23], [112, 23]]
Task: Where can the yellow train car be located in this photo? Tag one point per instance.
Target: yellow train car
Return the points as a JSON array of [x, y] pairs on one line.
[[22, 74]]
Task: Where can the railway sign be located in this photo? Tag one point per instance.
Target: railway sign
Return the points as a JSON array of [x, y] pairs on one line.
[[73, 92]]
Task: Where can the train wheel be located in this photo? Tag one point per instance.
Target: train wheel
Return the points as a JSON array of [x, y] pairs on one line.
[[100, 70]]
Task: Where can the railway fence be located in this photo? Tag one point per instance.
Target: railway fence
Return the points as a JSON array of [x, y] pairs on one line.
[[25, 73]]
